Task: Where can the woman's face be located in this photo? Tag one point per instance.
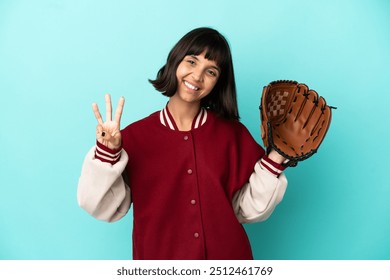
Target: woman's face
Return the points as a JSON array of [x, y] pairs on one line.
[[196, 77]]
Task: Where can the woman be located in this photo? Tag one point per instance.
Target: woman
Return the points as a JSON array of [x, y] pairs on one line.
[[192, 171]]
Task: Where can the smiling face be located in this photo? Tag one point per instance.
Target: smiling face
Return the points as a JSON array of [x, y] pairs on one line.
[[196, 78]]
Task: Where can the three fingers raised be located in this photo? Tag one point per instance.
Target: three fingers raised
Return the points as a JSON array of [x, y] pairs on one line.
[[118, 112]]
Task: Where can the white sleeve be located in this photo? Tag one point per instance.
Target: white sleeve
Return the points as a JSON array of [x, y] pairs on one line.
[[257, 199], [102, 191]]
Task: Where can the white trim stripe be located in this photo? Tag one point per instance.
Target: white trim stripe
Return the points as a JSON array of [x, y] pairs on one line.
[[168, 119], [110, 159], [162, 118], [198, 117], [199, 120], [269, 167], [204, 116], [105, 153]]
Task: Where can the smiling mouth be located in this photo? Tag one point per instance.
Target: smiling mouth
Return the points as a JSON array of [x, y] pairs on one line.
[[190, 86]]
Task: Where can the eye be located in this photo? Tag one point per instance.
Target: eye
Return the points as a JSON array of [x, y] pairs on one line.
[[190, 61], [212, 72]]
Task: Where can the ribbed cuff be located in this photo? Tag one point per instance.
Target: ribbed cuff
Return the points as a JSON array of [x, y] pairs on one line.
[[105, 154], [271, 166]]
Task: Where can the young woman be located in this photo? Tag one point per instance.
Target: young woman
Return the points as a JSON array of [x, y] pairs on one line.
[[192, 172]]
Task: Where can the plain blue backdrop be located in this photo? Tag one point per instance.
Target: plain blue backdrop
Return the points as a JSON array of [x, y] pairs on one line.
[[57, 57]]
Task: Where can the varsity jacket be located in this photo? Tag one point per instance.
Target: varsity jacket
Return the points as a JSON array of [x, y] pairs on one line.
[[190, 190]]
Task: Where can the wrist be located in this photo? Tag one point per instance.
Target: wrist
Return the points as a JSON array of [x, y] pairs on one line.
[[272, 166], [276, 157], [106, 154]]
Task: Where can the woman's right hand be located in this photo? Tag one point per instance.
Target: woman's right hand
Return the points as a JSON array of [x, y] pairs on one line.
[[108, 132]]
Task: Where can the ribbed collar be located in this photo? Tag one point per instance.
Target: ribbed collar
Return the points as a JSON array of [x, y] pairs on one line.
[[167, 120]]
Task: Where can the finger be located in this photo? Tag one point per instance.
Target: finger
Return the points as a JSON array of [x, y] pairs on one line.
[[95, 109], [116, 141], [99, 132], [119, 110], [108, 108]]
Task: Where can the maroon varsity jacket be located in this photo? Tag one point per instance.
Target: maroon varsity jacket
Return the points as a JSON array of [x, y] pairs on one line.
[[182, 184]]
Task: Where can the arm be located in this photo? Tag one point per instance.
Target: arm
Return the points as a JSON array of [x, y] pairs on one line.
[[257, 199], [102, 191]]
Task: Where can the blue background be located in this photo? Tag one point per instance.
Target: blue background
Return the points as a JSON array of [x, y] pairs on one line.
[[57, 57]]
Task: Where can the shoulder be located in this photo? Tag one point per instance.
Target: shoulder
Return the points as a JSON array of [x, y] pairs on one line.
[[230, 131], [140, 133], [232, 135], [145, 123], [231, 125]]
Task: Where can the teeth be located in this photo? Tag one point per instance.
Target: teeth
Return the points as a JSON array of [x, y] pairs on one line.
[[190, 86]]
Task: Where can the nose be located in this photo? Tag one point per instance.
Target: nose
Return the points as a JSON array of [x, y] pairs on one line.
[[197, 75]]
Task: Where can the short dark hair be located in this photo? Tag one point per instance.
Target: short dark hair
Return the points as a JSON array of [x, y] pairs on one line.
[[222, 99]]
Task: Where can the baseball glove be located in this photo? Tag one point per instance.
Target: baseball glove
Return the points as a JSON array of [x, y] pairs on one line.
[[294, 120]]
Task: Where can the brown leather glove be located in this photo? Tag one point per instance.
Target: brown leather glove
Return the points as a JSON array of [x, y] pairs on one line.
[[294, 120]]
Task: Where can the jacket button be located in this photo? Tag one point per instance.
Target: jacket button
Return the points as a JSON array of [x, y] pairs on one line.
[[193, 201], [189, 171], [196, 235], [186, 137]]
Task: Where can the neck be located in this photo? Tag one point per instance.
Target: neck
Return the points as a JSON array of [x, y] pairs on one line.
[[183, 113]]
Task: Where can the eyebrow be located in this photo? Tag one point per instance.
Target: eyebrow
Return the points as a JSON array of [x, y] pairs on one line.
[[214, 66]]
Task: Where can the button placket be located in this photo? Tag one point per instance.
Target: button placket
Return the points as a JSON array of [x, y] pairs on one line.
[[189, 170], [193, 202]]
